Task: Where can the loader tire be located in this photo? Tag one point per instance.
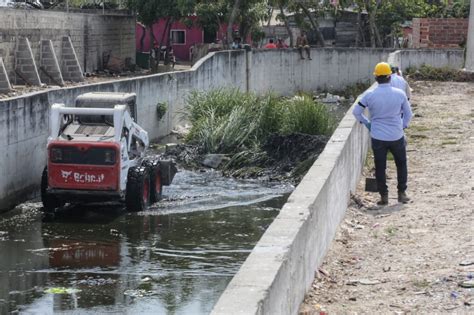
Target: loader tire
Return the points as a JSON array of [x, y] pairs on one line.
[[156, 185], [137, 197], [50, 201]]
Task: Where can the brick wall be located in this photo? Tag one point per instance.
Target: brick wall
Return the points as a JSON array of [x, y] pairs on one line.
[[91, 34], [439, 33]]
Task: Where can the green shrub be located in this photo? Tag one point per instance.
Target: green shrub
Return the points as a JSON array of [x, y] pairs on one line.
[[304, 115], [230, 121]]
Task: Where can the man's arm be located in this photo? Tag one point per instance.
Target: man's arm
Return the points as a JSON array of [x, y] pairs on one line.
[[407, 113], [358, 113], [408, 90]]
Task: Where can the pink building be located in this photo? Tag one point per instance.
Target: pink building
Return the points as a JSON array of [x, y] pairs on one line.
[[182, 37]]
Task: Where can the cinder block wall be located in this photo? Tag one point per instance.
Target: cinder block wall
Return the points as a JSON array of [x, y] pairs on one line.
[[439, 33], [92, 33]]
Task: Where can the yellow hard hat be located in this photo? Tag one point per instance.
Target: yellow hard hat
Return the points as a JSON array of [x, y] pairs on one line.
[[382, 68]]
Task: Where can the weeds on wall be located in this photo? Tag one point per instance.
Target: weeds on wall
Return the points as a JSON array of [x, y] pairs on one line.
[[161, 109]]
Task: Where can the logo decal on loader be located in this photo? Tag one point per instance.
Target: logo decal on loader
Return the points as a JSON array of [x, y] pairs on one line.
[[83, 178], [66, 175]]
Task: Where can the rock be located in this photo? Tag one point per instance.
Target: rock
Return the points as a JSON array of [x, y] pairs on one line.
[[331, 98], [214, 160], [170, 146], [466, 263]]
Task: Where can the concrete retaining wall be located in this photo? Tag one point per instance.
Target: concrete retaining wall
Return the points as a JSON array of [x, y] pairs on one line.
[[452, 58], [281, 267], [24, 120]]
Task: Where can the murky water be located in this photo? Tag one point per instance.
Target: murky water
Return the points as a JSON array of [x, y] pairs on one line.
[[175, 258]]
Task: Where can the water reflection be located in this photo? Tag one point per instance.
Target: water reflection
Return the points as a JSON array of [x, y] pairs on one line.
[[176, 258]]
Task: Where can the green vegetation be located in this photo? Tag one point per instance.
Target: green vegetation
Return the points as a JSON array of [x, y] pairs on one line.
[[161, 109], [423, 283], [427, 72], [391, 231], [230, 121]]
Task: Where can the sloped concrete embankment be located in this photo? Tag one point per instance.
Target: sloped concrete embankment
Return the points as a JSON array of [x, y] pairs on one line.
[[280, 269], [24, 120]]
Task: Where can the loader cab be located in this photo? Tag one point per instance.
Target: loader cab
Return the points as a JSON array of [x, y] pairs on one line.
[[108, 100]]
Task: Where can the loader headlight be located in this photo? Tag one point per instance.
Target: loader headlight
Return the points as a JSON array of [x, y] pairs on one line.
[[56, 155]]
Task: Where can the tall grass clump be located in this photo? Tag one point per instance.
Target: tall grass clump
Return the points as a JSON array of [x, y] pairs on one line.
[[231, 121], [304, 115]]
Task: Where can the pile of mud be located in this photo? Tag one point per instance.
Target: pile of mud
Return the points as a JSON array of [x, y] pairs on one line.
[[281, 157]]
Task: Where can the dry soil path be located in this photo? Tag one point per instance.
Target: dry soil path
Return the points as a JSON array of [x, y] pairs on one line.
[[405, 259]]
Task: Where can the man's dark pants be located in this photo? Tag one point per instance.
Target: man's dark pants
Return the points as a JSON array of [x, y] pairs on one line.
[[398, 150]]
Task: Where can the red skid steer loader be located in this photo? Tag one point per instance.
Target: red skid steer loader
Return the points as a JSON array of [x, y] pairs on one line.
[[96, 152]]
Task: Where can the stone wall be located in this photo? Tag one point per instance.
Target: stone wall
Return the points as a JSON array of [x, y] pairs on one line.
[[439, 33], [91, 35]]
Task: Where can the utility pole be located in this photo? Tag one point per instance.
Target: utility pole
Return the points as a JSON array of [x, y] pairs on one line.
[[470, 40]]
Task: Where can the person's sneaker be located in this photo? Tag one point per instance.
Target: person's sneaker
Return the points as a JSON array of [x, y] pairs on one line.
[[383, 200], [402, 197]]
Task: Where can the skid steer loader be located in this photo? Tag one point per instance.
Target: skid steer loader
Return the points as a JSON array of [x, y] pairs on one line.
[[96, 152]]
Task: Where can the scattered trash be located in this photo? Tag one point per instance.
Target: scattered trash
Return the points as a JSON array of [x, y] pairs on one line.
[[147, 279], [454, 295], [449, 308], [467, 284], [323, 272], [363, 282], [368, 282], [462, 263], [386, 269]]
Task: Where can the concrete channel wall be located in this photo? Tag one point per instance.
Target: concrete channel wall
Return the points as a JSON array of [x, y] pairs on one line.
[[24, 120]]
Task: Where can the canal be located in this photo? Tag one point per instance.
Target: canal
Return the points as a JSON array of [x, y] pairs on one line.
[[175, 258]]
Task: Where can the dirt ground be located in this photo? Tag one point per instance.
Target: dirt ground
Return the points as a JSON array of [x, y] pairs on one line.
[[95, 78], [413, 258]]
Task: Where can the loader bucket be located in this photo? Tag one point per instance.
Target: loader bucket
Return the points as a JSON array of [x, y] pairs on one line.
[[167, 170]]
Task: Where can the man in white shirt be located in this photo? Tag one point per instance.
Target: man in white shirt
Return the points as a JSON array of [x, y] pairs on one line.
[[397, 81]]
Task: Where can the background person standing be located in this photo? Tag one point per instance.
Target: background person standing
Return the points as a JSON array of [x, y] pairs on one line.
[[385, 103]]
